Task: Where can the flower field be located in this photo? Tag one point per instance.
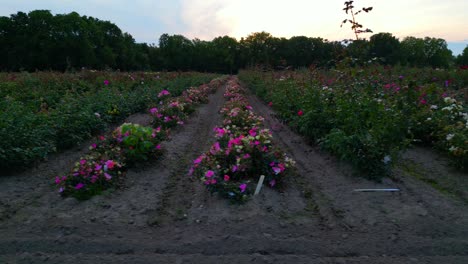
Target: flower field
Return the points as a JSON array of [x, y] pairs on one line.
[[105, 165], [45, 112], [368, 116]]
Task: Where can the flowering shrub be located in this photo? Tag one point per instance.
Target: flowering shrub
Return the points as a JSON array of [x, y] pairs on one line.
[[90, 176], [367, 116], [45, 112], [138, 142], [241, 154]]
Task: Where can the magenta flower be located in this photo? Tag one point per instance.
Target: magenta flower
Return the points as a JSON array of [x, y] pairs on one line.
[[300, 113], [57, 180], [226, 177], [276, 170], [252, 132], [163, 93], [153, 110], [242, 187], [110, 164], [83, 162], [209, 174], [198, 160], [98, 167], [79, 186], [94, 145], [106, 82], [158, 147], [272, 182], [108, 177]]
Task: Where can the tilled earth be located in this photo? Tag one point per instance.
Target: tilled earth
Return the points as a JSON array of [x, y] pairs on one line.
[[164, 216]]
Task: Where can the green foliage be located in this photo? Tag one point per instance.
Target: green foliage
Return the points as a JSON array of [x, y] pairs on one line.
[[41, 113], [367, 116]]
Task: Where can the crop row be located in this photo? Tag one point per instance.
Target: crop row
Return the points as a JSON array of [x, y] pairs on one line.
[[42, 113], [368, 117], [105, 164], [242, 153]]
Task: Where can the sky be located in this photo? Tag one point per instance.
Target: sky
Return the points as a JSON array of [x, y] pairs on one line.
[[146, 20]]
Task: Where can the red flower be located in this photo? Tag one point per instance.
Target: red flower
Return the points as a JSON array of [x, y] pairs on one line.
[[300, 113]]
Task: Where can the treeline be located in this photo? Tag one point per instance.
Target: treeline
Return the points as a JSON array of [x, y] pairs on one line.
[[42, 41]]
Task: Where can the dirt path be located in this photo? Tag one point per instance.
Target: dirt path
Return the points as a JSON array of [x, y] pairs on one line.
[[165, 217]]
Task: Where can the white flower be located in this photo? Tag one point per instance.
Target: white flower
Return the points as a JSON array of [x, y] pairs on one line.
[[97, 115], [434, 107], [387, 159], [452, 149], [429, 119], [449, 137]]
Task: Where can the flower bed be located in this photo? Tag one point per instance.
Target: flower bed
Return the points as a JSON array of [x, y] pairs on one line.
[[242, 152], [105, 165], [368, 116]]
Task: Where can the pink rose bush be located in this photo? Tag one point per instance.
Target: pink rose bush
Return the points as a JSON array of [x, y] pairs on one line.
[[171, 112], [242, 152]]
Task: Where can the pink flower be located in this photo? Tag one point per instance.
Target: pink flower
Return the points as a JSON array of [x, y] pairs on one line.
[[270, 104], [423, 101], [246, 156], [213, 181], [300, 113], [252, 132], [249, 107], [79, 186], [163, 92], [158, 147], [57, 180], [276, 170], [83, 162], [98, 167], [209, 174], [106, 82], [94, 145], [272, 182], [226, 177], [242, 187], [108, 177], [234, 168], [102, 138], [110, 164], [198, 160], [153, 110]]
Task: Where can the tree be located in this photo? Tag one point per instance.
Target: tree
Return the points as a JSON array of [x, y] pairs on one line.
[[386, 47], [462, 59]]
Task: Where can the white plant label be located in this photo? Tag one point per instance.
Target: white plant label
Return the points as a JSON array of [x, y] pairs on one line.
[[259, 184]]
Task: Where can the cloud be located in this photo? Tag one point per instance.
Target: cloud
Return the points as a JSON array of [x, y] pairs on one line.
[[204, 19]]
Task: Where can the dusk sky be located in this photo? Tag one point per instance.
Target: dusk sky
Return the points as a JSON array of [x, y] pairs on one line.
[[146, 20]]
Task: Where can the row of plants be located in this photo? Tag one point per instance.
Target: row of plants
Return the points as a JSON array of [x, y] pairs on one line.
[[41, 113], [367, 116], [104, 166], [242, 152]]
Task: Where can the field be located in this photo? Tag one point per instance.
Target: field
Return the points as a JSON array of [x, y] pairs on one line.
[[102, 167]]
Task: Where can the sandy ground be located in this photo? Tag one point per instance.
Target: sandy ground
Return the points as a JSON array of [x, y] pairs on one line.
[[163, 216]]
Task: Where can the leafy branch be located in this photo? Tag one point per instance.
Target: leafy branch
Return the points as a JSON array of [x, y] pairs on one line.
[[355, 26]]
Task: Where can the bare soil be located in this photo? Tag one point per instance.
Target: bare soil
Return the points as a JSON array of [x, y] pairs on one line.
[[164, 216]]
